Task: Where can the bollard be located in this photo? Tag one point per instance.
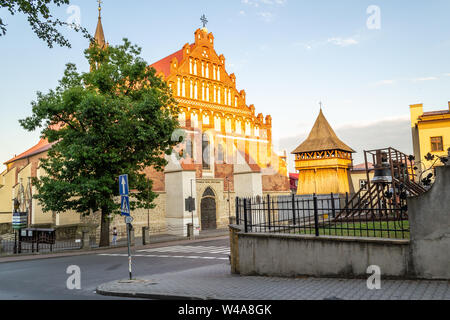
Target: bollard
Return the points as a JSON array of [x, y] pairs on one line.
[[145, 236], [190, 231]]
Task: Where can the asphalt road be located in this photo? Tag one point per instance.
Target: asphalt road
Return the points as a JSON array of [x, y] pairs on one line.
[[45, 279]]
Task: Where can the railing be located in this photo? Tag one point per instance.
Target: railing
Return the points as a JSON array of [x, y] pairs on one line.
[[320, 215], [14, 247]]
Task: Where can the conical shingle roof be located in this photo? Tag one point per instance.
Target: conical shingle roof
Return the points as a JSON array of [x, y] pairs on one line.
[[322, 137]]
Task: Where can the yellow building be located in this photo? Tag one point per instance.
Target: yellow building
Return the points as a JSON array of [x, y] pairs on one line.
[[323, 161], [430, 134]]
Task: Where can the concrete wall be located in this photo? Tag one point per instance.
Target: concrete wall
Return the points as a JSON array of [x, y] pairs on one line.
[[429, 217], [291, 255]]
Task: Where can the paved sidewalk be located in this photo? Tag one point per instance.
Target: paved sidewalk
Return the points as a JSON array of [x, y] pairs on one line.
[[216, 283]]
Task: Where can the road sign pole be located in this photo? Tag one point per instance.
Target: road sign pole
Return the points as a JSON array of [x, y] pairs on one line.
[[129, 250]]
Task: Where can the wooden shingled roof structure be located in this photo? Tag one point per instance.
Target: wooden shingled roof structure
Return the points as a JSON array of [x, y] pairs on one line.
[[322, 138]]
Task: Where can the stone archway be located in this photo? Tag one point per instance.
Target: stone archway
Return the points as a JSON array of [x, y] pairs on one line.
[[208, 210]]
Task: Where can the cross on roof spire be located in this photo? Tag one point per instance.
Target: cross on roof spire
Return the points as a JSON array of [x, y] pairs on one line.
[[99, 7], [204, 20]]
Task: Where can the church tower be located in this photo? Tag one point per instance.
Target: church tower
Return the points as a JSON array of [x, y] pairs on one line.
[[323, 161], [99, 36]]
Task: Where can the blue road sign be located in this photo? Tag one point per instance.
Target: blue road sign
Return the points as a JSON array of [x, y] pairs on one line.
[[125, 206], [123, 185]]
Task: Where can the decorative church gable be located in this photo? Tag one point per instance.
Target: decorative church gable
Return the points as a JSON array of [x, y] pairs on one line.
[[198, 78]]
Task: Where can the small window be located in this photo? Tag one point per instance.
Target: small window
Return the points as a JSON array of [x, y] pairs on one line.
[[363, 184], [436, 144]]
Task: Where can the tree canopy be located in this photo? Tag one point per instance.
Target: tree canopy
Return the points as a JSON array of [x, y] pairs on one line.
[[116, 119], [43, 24]]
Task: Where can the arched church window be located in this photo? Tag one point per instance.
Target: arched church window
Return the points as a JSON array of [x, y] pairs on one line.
[[206, 157]]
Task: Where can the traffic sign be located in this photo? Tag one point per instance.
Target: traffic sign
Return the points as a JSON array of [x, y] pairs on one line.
[[125, 206], [123, 185], [128, 219]]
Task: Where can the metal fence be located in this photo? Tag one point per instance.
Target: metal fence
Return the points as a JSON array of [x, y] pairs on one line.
[[320, 215], [15, 247]]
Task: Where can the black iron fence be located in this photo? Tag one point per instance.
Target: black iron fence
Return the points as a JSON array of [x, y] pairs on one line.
[[13, 246], [321, 215]]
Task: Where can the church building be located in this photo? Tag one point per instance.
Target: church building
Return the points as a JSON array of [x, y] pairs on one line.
[[227, 151]]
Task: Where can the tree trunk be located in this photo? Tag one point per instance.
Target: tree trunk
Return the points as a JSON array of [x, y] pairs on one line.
[[104, 229]]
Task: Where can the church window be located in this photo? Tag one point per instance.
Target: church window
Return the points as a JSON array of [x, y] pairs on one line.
[[238, 127], [207, 92], [257, 131], [218, 73], [179, 87], [189, 149], [248, 129], [214, 72], [218, 95], [220, 154], [195, 91], [206, 156], [203, 69], [182, 119], [206, 120], [235, 101], [203, 91], [191, 91], [184, 88], [215, 94], [229, 97], [190, 66], [195, 67], [207, 70], [217, 124], [225, 96], [194, 120], [228, 126]]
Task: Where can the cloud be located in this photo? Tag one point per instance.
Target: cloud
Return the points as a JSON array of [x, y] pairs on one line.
[[343, 42], [389, 132], [424, 79], [266, 16], [337, 41], [242, 13]]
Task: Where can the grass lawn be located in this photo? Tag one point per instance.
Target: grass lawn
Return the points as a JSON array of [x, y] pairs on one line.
[[375, 229]]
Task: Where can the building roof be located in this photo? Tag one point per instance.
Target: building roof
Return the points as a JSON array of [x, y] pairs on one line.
[[42, 146], [322, 137], [362, 166], [163, 65], [99, 34]]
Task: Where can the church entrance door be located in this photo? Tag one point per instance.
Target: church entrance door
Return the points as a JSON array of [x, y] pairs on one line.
[[208, 210]]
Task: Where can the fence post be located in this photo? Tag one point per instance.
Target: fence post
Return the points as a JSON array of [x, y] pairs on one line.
[[245, 216], [268, 210], [250, 217], [316, 216], [293, 209], [333, 209], [238, 221]]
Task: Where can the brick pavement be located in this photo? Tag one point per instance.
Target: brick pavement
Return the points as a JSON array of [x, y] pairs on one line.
[[216, 282]]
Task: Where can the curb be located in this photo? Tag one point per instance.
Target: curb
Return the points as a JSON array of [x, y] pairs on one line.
[[149, 296]]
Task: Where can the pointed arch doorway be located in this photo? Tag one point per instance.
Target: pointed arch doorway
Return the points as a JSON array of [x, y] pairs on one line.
[[208, 210]]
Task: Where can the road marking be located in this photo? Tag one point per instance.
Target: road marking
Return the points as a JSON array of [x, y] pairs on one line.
[[190, 249], [161, 256]]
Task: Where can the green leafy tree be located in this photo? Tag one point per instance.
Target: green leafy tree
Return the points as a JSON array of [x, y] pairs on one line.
[[116, 119], [40, 19]]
